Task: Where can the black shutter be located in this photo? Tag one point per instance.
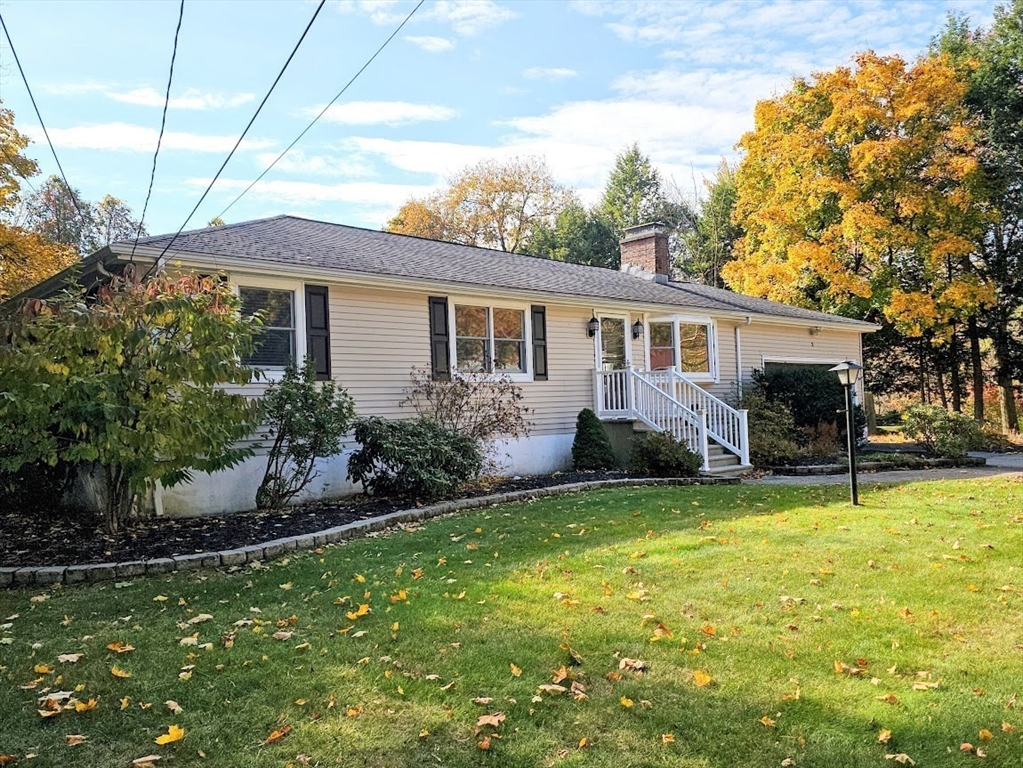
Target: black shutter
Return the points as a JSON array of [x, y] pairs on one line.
[[440, 364], [317, 329], [539, 319]]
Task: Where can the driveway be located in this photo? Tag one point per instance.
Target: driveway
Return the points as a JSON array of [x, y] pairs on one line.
[[898, 476]]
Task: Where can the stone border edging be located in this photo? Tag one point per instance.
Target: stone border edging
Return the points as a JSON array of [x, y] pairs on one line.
[[97, 572], [876, 466]]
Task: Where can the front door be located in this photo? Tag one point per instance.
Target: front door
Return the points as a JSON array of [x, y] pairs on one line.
[[612, 361], [613, 356]]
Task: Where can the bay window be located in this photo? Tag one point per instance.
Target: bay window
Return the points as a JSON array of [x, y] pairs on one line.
[[694, 345]]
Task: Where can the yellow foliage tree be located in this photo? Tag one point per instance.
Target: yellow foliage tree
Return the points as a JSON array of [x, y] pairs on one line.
[[25, 257], [491, 205], [861, 185]]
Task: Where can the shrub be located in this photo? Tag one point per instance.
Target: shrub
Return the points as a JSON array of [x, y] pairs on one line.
[[307, 421], [416, 459], [591, 448], [659, 454], [128, 380], [771, 430], [942, 432], [821, 441]]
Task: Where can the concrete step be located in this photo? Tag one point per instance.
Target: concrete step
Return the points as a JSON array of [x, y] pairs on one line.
[[731, 470], [722, 461]]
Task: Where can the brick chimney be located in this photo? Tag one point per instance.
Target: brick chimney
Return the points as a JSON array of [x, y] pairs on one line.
[[645, 252]]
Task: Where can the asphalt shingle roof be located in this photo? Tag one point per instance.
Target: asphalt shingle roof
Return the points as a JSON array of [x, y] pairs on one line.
[[301, 242]]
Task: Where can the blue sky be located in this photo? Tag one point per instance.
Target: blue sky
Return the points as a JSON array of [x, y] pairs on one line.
[[465, 80]]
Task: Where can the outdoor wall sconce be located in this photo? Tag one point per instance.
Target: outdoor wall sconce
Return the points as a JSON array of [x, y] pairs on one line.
[[637, 329], [592, 326], [815, 331], [848, 372]]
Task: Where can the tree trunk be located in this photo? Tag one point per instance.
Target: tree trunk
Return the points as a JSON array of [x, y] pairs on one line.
[[1007, 403], [978, 370], [120, 499], [957, 379], [941, 388]]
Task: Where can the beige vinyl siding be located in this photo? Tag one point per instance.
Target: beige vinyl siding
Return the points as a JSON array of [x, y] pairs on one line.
[[762, 341]]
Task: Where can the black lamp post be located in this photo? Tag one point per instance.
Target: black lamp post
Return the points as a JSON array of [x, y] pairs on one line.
[[848, 372]]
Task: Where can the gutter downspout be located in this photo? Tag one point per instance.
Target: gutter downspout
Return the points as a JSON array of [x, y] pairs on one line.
[[738, 354]]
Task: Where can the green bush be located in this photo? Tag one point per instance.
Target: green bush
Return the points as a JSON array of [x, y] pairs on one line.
[[591, 449], [415, 459], [659, 454], [307, 421], [812, 394], [771, 430], [941, 432]]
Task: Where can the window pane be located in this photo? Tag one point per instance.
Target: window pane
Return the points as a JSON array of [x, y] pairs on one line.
[[471, 354], [275, 307], [471, 322], [695, 350], [660, 335], [273, 348], [508, 356], [612, 343], [508, 324]]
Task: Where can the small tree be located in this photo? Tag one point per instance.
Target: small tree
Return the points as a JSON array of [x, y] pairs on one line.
[[482, 407], [130, 381], [307, 422], [591, 448]]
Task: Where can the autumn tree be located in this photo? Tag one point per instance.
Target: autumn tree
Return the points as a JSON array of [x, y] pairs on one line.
[[859, 191], [61, 215], [114, 220], [25, 257], [490, 205], [578, 236]]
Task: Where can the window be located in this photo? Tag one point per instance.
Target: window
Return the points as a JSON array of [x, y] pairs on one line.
[[694, 343], [490, 339], [662, 346], [274, 345]]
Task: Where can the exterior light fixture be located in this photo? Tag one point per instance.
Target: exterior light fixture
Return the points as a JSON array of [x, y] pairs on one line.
[[637, 329], [592, 326], [848, 372]]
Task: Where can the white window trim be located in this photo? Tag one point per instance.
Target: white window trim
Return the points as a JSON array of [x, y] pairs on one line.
[[713, 374], [297, 287], [491, 305]]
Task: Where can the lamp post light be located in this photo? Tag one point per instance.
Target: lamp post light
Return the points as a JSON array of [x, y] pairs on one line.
[[848, 372]]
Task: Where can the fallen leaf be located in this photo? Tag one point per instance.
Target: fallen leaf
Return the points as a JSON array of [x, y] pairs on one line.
[[73, 740], [583, 743], [901, 758], [282, 635], [494, 720], [483, 701], [145, 762], [516, 672], [483, 743], [174, 733], [200, 618], [889, 698], [552, 688], [42, 669], [85, 706], [701, 679], [160, 599], [1008, 728], [118, 647], [125, 703], [884, 736], [116, 671], [174, 707], [632, 665], [278, 734], [985, 735], [768, 722], [667, 738], [709, 630], [69, 658]]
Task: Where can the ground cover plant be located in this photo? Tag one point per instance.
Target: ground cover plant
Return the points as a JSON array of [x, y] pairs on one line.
[[708, 626]]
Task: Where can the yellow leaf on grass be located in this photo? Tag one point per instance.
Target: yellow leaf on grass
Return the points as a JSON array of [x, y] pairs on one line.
[[85, 706], [516, 672], [125, 703], [174, 733], [768, 722], [278, 734], [709, 630], [73, 740], [359, 578], [118, 647], [985, 735], [116, 671], [174, 707], [884, 736], [626, 702], [701, 679], [667, 738], [42, 669]]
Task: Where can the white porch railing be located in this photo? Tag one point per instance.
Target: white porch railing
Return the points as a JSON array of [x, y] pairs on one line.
[[667, 401]]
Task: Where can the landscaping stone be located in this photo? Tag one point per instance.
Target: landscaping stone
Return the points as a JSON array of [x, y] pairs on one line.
[[25, 576], [160, 565], [197, 561], [273, 549], [50, 575], [232, 557], [253, 553], [97, 572], [7, 576], [131, 568]]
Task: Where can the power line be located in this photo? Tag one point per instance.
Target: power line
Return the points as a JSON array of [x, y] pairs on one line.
[[14, 166], [46, 133], [240, 138], [163, 124], [323, 111]]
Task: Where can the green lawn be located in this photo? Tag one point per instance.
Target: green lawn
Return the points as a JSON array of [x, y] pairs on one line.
[[819, 626]]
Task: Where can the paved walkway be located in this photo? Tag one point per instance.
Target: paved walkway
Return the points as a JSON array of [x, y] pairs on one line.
[[1008, 460], [898, 476]]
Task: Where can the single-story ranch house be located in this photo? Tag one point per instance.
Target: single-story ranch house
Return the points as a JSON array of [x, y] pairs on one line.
[[368, 306]]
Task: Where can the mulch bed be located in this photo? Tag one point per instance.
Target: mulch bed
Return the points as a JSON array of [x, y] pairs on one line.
[[59, 539]]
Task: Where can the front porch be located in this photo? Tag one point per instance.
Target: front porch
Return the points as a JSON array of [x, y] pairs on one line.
[[666, 401]]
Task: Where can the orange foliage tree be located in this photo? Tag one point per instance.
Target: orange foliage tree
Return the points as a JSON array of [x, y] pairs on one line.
[[859, 189]]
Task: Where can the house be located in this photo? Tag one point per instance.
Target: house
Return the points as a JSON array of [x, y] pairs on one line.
[[368, 306]]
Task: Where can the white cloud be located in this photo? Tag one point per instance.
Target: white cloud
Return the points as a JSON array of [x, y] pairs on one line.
[[349, 164], [466, 18], [431, 44], [383, 113], [135, 138], [190, 99], [549, 73]]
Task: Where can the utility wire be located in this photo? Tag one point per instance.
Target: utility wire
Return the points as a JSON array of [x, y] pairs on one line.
[[240, 138], [46, 133], [163, 124], [14, 167], [323, 111]]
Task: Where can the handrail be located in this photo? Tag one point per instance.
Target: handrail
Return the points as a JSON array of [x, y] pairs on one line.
[[661, 411]]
